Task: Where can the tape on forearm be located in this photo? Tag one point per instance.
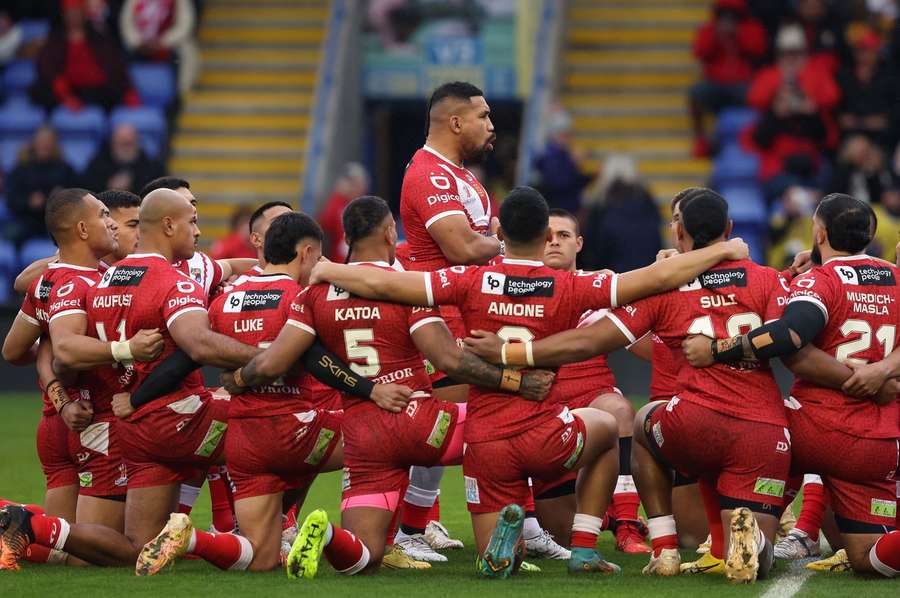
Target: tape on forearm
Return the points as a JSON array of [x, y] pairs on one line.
[[238, 379], [121, 351], [510, 380], [516, 354], [57, 395]]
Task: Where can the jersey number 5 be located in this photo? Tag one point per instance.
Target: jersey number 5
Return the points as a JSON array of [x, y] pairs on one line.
[[352, 338]]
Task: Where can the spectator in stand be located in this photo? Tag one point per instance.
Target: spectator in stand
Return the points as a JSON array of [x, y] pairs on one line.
[[160, 31], [729, 46], [868, 92], [122, 164], [823, 26], [38, 173], [884, 245], [622, 222], [237, 242], [78, 66], [862, 170], [796, 97], [790, 226], [352, 182], [10, 37], [562, 178]]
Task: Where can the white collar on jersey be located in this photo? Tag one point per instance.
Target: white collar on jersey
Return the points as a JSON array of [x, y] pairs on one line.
[[267, 277], [515, 262], [395, 266], [431, 150], [844, 258], [159, 255], [56, 265]]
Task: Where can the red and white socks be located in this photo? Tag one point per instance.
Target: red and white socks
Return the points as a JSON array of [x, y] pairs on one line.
[[815, 502], [225, 551], [222, 498], [662, 533], [625, 500], [50, 532], [344, 551], [585, 529], [187, 498], [713, 508]]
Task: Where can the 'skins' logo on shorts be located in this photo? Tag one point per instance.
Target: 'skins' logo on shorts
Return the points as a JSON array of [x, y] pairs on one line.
[[769, 487], [472, 496], [252, 301], [883, 508]]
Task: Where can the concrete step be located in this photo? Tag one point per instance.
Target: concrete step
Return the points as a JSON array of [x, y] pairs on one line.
[[199, 145], [630, 124], [252, 57], [624, 37], [250, 79], [281, 124], [244, 166], [264, 36], [638, 81], [683, 16], [237, 187]]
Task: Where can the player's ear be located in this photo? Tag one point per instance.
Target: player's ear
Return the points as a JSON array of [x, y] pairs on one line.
[[455, 123], [255, 240], [81, 229], [579, 244], [728, 228]]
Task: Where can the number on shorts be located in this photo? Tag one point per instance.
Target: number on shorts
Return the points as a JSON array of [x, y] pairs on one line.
[[886, 335], [352, 338], [735, 325]]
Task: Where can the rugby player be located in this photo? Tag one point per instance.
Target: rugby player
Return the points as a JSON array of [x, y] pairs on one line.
[[509, 439]]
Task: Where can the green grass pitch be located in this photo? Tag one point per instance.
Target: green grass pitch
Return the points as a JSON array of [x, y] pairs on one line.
[[21, 479]]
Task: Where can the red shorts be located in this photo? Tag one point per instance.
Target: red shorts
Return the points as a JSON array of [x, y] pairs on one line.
[[53, 452], [496, 472], [859, 473], [173, 443], [267, 455], [749, 461], [380, 446], [581, 400], [101, 469]]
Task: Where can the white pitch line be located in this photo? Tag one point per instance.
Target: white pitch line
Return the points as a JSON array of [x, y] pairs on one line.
[[791, 582]]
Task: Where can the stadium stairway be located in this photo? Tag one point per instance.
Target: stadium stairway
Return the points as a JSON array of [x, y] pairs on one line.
[[241, 135], [627, 67]]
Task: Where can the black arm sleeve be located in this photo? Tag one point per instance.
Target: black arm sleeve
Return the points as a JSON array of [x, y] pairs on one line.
[[774, 339], [164, 378], [329, 369]]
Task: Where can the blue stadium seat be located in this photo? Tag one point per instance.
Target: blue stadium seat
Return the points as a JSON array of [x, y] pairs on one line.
[[35, 249], [734, 166], [5, 214], [78, 152], [34, 29], [19, 119], [150, 123], [18, 77], [746, 203], [9, 267], [9, 152], [89, 123], [755, 236], [155, 83], [731, 122]]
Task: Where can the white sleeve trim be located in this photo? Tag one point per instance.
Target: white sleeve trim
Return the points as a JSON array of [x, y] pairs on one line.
[[304, 327], [181, 312], [614, 291], [621, 326], [68, 312], [421, 323], [429, 293], [633, 343], [814, 301], [437, 217], [28, 318]]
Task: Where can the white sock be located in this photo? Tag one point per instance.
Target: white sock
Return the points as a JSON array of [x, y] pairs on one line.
[[587, 523], [192, 543], [625, 484], [760, 541], [531, 528], [329, 534], [246, 554], [189, 495], [661, 526]]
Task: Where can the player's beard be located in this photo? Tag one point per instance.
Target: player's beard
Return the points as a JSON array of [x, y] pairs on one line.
[[816, 255], [477, 154]]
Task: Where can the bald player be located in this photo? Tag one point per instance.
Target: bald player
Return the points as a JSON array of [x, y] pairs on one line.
[[169, 439]]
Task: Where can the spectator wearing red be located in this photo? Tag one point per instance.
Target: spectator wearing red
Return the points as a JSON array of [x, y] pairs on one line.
[[797, 98], [868, 90], [237, 242], [78, 66], [353, 182], [823, 27], [729, 46]]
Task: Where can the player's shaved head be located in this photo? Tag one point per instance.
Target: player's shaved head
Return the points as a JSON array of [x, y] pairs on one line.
[[450, 99], [63, 211], [524, 216], [160, 204]]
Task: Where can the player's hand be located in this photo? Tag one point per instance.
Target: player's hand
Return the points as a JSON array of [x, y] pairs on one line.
[[536, 384], [866, 380], [888, 393], [485, 345], [121, 405], [228, 383], [319, 272], [802, 263], [664, 254], [391, 397], [697, 349], [77, 415], [736, 249], [146, 345]]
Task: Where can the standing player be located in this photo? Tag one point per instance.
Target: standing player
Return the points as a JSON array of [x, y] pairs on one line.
[[589, 384], [847, 307], [447, 216], [743, 295], [509, 439]]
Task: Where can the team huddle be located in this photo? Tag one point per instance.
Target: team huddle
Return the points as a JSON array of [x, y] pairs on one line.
[[476, 343]]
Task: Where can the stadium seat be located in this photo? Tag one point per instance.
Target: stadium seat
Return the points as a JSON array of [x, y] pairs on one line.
[[150, 123], [78, 152], [89, 123], [35, 249], [18, 77], [746, 203], [19, 119], [9, 152], [754, 234], [9, 267], [731, 122], [155, 83], [34, 29], [734, 166]]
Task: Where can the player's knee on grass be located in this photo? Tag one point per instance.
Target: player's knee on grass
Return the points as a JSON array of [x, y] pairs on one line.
[[620, 408]]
